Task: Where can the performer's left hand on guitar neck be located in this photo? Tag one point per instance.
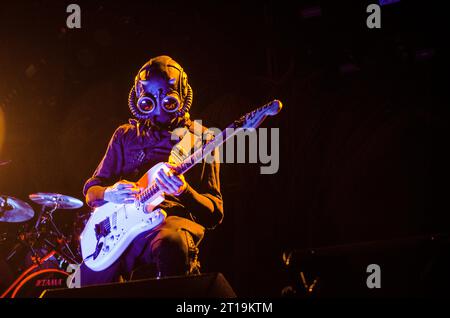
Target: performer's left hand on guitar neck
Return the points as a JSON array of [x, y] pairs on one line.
[[170, 182]]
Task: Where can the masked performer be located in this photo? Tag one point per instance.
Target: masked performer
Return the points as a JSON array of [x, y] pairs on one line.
[[159, 100]]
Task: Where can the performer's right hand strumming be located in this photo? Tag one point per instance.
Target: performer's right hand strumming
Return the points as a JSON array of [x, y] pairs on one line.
[[122, 191]]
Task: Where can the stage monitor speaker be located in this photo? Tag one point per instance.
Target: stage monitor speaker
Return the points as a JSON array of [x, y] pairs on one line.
[[212, 285], [408, 267]]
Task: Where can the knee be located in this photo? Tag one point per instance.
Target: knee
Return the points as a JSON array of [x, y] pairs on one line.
[[173, 242], [171, 253]]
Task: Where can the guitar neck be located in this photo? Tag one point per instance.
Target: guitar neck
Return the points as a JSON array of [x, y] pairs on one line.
[[250, 120], [206, 149]]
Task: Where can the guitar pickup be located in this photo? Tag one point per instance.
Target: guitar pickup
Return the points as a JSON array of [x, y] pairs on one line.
[[103, 228]]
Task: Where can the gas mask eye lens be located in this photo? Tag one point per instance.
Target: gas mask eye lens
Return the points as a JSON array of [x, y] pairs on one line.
[[145, 104], [170, 104]]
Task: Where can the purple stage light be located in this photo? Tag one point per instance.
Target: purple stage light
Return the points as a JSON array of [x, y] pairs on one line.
[[387, 2]]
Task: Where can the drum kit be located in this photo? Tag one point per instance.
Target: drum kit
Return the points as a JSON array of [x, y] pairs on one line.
[[47, 248]]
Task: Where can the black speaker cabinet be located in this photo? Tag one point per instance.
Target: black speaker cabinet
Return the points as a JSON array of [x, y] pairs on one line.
[[408, 267], [213, 285]]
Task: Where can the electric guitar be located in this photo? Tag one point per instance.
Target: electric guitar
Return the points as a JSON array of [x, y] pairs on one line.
[[112, 227]]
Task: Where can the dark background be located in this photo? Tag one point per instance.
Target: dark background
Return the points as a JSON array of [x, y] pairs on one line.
[[361, 107]]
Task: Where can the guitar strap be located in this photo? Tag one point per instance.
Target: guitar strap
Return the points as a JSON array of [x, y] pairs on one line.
[[190, 140]]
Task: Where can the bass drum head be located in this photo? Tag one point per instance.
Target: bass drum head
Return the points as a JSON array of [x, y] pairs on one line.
[[36, 282]]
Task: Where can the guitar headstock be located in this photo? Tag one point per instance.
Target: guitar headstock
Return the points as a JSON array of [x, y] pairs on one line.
[[256, 117]]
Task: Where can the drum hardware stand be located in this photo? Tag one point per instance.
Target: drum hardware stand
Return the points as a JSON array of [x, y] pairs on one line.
[[36, 259], [62, 246], [15, 210]]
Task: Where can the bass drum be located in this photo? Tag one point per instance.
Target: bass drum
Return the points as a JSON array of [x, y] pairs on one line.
[[36, 282]]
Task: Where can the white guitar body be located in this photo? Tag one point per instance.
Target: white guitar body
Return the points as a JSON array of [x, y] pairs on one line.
[[112, 227]]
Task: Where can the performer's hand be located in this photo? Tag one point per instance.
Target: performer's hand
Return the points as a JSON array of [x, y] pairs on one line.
[[170, 182], [121, 192]]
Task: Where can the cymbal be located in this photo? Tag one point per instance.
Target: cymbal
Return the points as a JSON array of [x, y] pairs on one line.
[[61, 201], [13, 210]]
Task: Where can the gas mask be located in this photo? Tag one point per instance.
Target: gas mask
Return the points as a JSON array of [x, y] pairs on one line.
[[160, 89]]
